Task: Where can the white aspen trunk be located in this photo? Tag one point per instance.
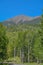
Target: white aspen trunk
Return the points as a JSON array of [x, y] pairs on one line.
[[37, 61], [28, 54], [20, 55], [14, 51], [40, 61]]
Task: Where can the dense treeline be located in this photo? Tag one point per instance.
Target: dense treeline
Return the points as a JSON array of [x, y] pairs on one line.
[[23, 41], [3, 43]]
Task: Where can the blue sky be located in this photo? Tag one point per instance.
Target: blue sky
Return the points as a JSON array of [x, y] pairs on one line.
[[11, 8]]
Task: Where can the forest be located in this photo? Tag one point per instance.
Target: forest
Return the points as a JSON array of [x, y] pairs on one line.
[[22, 43]]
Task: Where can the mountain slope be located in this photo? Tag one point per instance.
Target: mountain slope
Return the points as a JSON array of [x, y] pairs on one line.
[[22, 20]]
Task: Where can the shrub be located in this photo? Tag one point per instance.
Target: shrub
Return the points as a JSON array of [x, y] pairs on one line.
[[15, 60]]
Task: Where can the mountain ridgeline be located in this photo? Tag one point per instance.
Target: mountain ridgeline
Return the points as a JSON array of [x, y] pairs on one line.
[[21, 19]]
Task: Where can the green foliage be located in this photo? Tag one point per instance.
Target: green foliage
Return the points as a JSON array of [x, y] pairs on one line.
[[38, 50], [38, 42], [24, 38], [3, 42], [14, 59]]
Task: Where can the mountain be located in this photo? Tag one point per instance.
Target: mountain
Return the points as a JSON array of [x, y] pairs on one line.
[[21, 19]]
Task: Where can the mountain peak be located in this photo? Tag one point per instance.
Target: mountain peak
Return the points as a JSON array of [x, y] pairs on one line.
[[22, 19]]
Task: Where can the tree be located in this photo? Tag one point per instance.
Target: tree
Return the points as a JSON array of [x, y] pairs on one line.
[[41, 35], [41, 31], [3, 42], [38, 43]]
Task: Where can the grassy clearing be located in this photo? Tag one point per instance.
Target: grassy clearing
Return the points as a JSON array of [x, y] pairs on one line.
[[33, 64]]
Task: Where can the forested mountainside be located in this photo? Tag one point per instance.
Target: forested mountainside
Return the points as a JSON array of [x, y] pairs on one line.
[[25, 39], [22, 23]]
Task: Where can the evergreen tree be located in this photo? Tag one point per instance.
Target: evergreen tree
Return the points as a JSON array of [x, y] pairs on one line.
[[38, 43], [3, 43]]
